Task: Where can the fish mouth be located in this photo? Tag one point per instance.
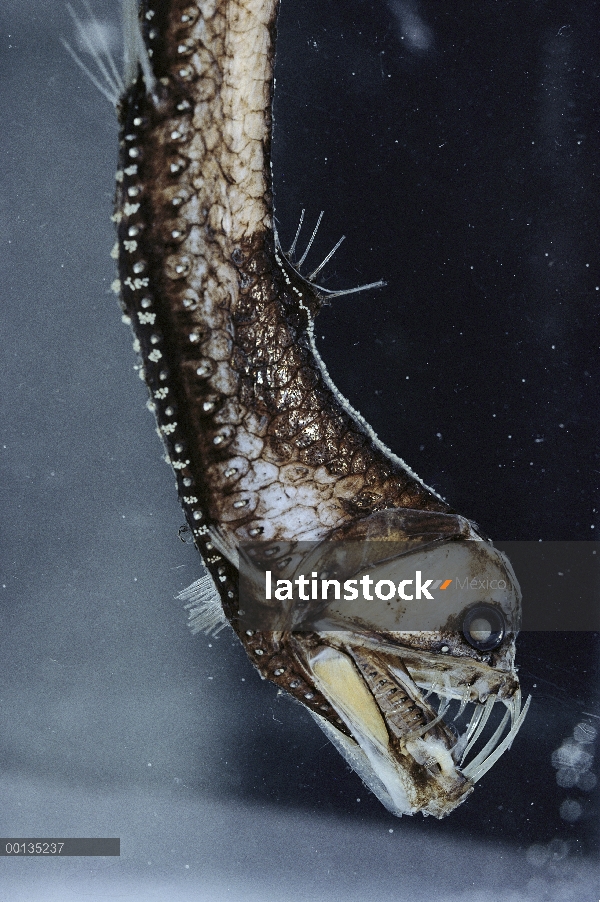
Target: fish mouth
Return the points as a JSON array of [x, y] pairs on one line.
[[412, 747], [392, 672]]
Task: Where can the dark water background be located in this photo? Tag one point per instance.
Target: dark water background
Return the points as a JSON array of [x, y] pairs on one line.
[[456, 146]]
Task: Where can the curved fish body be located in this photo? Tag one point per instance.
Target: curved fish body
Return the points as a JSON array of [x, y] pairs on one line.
[[265, 450]]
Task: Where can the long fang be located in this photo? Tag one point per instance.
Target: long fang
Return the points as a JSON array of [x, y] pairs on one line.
[[489, 746], [480, 723], [504, 745]]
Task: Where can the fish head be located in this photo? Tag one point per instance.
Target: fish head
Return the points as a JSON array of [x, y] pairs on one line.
[[396, 669]]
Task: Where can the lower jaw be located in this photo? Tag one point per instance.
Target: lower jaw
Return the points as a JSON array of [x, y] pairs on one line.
[[420, 762], [406, 752]]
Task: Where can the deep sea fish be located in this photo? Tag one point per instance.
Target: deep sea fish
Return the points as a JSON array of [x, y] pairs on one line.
[[266, 452]]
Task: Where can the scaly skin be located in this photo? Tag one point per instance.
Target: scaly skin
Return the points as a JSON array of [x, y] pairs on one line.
[[259, 441]]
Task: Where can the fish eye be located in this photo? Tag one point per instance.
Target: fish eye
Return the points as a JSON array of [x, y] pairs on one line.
[[483, 626]]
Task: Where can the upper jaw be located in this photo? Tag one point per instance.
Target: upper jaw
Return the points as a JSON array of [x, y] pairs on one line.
[[446, 664], [463, 678]]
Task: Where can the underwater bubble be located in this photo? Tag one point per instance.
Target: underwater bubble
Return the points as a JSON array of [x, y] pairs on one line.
[[570, 811], [584, 732], [571, 754], [558, 849], [587, 781], [537, 855], [567, 777]]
